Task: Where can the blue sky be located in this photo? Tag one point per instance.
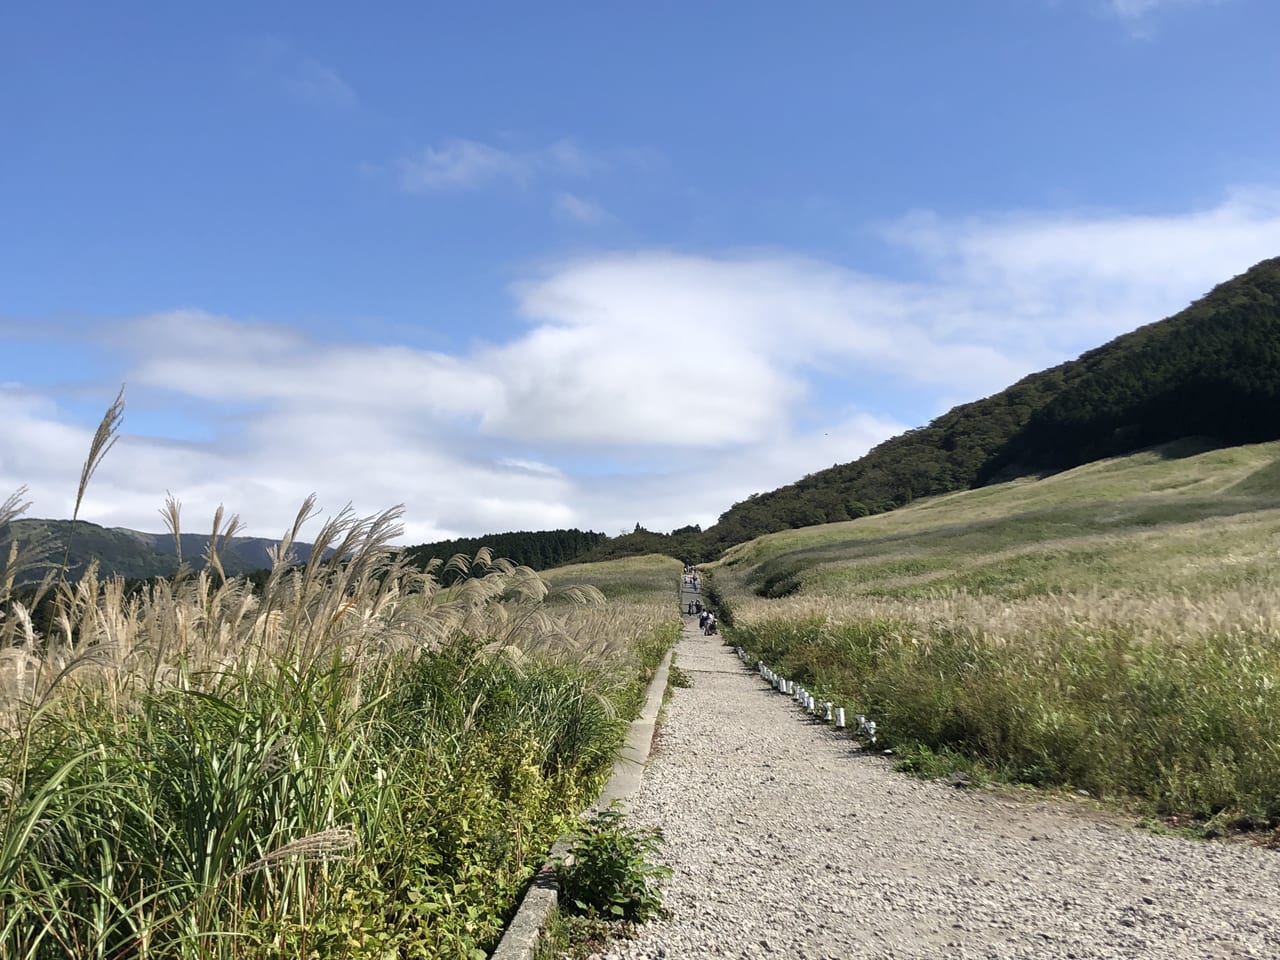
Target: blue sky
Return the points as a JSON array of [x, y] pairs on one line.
[[523, 266]]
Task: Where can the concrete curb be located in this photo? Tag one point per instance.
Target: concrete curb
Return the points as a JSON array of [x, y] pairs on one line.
[[521, 939]]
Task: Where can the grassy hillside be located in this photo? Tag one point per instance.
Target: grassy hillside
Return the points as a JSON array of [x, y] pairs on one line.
[[1113, 627], [652, 578], [1072, 530], [1212, 370]]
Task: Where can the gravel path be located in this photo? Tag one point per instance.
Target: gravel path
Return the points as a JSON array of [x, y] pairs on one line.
[[788, 842]]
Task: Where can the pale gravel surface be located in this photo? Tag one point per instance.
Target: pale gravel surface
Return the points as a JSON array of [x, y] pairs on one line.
[[787, 841]]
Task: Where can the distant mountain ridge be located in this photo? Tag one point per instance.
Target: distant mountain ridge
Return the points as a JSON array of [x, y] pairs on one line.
[[134, 554]]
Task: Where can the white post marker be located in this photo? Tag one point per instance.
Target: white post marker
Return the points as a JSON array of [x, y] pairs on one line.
[[839, 718], [827, 715]]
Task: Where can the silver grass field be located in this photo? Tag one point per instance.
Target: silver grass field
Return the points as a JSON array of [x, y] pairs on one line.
[[351, 760], [1113, 629]]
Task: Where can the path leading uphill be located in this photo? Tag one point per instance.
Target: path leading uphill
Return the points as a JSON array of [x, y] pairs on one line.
[[788, 842]]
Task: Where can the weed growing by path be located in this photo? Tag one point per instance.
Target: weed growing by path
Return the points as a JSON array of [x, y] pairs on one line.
[[612, 872]]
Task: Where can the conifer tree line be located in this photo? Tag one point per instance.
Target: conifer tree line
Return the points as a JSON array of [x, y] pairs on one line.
[[536, 549]]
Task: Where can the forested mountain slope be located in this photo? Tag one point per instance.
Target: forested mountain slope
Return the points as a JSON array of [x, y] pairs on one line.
[[1212, 370], [131, 553]]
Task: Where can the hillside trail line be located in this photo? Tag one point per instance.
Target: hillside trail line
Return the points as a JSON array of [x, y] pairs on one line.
[[786, 840]]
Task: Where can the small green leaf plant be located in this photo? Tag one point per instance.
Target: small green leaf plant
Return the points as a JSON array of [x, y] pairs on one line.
[[611, 872]]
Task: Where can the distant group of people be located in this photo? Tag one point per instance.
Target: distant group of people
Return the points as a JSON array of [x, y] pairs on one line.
[[691, 578], [706, 619]]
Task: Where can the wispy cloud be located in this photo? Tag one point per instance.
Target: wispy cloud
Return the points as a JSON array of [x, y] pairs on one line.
[[1138, 14], [579, 209], [1140, 8], [277, 63], [457, 163], [633, 377], [312, 81]]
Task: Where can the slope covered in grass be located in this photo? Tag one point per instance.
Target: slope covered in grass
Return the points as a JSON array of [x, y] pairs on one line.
[[1114, 627], [1070, 526], [652, 578]]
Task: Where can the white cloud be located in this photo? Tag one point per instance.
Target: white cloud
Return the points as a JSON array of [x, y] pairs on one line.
[[617, 344], [1061, 283], [704, 483], [656, 386]]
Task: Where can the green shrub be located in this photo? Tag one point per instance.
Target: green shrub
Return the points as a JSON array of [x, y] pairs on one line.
[[611, 873]]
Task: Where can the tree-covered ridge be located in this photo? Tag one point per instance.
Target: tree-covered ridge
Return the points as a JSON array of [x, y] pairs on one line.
[[536, 549], [1212, 370], [132, 554], [944, 456]]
